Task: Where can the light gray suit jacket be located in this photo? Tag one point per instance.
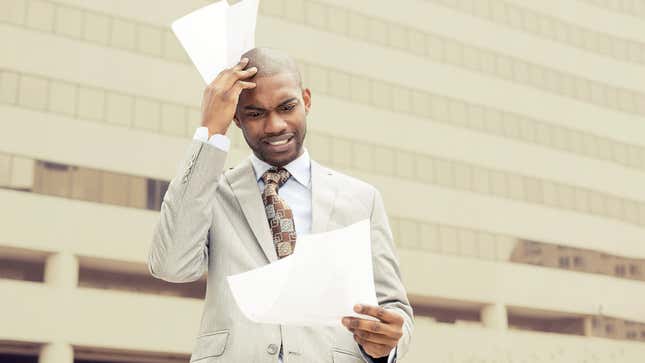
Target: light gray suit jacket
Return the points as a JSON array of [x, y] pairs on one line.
[[214, 221]]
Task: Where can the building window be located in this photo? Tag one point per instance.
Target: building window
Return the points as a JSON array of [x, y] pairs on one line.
[[532, 249], [22, 269], [156, 191], [98, 274], [634, 270], [619, 270], [81, 183], [563, 262], [17, 358], [53, 179], [578, 261]]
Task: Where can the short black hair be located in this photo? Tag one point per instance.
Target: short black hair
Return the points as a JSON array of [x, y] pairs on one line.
[[270, 62]]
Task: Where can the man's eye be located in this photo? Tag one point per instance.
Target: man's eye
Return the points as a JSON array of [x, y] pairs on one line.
[[253, 114], [288, 107]]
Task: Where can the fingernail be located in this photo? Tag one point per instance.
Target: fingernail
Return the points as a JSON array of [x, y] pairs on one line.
[[357, 308]]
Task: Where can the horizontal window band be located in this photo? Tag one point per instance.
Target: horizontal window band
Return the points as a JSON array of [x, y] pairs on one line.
[[108, 30], [120, 109]]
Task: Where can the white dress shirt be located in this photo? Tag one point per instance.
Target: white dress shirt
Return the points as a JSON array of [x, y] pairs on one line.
[[296, 192]]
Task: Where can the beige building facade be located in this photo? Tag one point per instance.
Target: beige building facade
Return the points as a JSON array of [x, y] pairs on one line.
[[506, 136]]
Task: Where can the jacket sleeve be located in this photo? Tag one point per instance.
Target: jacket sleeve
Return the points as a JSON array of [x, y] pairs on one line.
[[179, 249], [390, 291]]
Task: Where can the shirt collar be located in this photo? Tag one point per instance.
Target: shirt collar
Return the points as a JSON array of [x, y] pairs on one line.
[[300, 168]]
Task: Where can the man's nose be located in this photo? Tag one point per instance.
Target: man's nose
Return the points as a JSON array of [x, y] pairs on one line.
[[275, 125]]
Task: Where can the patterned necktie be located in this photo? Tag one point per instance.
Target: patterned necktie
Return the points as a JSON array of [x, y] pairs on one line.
[[278, 212]]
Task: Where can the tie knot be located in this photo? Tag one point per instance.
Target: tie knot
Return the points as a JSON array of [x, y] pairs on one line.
[[277, 176]]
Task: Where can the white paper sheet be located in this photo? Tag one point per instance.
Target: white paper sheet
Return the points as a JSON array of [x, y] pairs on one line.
[[327, 274], [216, 35]]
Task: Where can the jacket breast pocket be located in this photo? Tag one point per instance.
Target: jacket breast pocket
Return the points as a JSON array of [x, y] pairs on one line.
[[343, 356], [210, 345]]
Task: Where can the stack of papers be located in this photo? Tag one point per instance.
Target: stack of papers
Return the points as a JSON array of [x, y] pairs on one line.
[[216, 35], [327, 274]]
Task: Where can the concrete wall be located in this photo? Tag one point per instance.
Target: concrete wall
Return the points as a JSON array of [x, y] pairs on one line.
[[482, 123]]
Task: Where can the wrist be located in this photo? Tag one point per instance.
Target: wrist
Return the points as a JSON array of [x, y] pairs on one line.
[[216, 130]]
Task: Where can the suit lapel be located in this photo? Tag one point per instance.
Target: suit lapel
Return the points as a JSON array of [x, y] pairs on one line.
[[245, 187], [323, 195]]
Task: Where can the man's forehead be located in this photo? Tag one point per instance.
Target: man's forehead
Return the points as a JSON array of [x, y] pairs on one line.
[[271, 91]]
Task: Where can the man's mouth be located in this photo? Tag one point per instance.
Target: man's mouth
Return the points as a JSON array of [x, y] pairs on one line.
[[274, 143], [279, 143]]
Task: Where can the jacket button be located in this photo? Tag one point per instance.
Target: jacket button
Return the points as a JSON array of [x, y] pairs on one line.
[[272, 349]]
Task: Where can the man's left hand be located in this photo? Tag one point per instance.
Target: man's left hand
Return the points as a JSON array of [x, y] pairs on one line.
[[376, 337]]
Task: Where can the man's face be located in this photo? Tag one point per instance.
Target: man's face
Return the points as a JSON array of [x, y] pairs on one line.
[[273, 116]]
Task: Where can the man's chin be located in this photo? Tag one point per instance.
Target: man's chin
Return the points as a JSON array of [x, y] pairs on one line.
[[280, 158]]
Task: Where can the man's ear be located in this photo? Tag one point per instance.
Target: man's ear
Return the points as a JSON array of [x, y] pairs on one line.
[[306, 98]]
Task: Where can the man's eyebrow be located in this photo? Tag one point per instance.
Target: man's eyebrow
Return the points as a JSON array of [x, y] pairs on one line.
[[257, 108], [287, 101], [251, 107]]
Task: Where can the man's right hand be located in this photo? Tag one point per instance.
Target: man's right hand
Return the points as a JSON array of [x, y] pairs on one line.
[[221, 96]]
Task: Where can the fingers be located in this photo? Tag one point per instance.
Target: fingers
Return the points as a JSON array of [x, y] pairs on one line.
[[241, 64], [373, 327], [238, 67], [379, 313], [244, 85], [375, 350], [239, 86], [242, 74], [374, 337], [227, 78], [221, 97]]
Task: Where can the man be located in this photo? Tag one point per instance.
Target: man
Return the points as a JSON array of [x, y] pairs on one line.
[[234, 221]]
